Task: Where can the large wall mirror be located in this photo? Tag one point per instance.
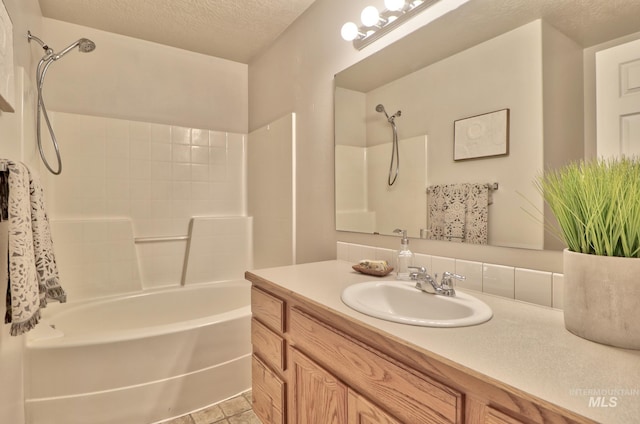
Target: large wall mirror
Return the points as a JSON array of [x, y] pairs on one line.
[[482, 101]]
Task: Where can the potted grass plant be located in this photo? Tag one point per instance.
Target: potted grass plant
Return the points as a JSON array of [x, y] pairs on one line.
[[597, 207]]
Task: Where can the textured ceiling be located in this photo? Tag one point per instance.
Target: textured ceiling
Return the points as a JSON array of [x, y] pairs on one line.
[[231, 29]]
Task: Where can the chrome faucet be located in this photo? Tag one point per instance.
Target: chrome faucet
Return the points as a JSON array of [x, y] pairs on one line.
[[428, 284]]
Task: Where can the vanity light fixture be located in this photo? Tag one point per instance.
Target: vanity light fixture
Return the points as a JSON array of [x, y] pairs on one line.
[[375, 24]]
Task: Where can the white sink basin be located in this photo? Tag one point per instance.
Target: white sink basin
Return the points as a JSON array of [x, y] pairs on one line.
[[401, 302]]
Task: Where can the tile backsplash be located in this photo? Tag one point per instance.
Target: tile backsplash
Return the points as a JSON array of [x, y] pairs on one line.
[[526, 285]]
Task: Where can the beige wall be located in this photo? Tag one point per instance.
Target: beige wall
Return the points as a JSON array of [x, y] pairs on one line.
[[134, 79], [350, 107], [17, 144], [271, 199], [296, 75], [16, 129]]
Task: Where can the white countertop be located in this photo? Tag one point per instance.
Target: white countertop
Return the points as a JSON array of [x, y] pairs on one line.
[[523, 345]]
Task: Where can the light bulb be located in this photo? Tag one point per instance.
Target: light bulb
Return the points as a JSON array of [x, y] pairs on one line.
[[349, 31], [394, 5], [369, 16]]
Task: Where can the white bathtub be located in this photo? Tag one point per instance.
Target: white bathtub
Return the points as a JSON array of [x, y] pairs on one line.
[[141, 358]]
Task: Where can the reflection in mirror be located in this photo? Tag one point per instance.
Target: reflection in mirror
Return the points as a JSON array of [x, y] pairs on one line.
[[534, 60]]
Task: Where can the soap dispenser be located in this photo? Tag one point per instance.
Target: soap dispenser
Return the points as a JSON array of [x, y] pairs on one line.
[[405, 257]]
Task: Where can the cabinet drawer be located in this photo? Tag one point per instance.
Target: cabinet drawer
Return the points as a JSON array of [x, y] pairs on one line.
[[268, 393], [268, 309], [407, 395], [267, 345]]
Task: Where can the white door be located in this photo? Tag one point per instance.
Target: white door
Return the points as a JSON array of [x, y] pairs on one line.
[[618, 100]]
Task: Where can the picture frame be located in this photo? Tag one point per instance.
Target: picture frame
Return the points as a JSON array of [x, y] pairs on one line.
[[481, 136]]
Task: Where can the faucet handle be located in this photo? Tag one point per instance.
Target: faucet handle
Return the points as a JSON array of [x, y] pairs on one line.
[[420, 270], [448, 279]]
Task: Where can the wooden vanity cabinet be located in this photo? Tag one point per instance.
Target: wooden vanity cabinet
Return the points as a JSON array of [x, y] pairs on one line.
[[269, 357], [313, 366]]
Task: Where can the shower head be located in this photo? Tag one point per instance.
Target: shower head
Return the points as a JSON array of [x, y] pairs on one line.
[[84, 45], [380, 108]]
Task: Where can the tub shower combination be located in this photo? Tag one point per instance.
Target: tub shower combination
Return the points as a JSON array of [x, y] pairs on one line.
[[146, 356], [120, 352]]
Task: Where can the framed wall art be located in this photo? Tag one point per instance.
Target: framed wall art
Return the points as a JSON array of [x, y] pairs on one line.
[[481, 136]]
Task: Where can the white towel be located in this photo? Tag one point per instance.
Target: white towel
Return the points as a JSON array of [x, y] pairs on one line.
[[33, 274]]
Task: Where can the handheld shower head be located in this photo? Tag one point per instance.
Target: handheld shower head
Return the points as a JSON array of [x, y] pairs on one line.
[[380, 108], [395, 149], [84, 45]]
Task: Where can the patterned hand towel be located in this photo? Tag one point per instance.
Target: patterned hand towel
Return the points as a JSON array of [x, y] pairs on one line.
[[458, 212], [33, 274]]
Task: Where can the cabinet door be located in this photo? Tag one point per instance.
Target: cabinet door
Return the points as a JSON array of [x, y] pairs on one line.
[[361, 411], [269, 393], [496, 417], [317, 396]]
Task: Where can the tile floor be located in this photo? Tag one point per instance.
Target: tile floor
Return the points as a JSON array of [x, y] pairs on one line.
[[236, 410]]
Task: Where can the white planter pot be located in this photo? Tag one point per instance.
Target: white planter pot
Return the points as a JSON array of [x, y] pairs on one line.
[[602, 298]]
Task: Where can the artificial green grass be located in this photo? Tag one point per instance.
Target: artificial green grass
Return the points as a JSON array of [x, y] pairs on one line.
[[597, 205]]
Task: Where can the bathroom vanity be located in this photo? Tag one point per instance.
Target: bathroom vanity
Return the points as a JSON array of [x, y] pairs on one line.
[[315, 360]]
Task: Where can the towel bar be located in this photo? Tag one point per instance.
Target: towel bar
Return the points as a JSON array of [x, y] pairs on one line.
[[490, 186], [493, 186]]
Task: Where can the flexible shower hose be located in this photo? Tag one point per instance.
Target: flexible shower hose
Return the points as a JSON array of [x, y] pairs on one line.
[[42, 111]]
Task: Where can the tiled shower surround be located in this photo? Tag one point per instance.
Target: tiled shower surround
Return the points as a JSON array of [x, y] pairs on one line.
[[158, 176]]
